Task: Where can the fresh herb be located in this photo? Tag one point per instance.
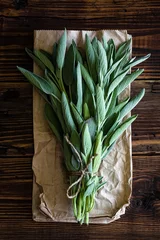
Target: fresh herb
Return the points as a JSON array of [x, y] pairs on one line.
[[83, 108]]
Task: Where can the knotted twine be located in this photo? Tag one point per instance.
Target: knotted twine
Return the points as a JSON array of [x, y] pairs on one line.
[[82, 172]]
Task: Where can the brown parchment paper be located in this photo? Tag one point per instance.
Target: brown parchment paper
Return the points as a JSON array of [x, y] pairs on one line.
[[50, 202]]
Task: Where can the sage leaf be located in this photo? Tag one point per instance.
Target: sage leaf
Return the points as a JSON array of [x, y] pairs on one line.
[[91, 60], [133, 62], [67, 114], [116, 81], [35, 59], [131, 104], [53, 122], [121, 105], [103, 63], [97, 152], [37, 81], [69, 65], [61, 49], [89, 190], [100, 103], [92, 127], [127, 80], [46, 61], [123, 48], [76, 114], [86, 140], [87, 78], [78, 56], [79, 88], [118, 132], [86, 112]]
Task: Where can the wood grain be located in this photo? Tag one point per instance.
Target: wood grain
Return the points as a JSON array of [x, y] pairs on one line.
[[18, 19]]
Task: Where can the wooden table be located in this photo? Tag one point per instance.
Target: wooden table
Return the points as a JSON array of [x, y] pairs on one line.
[[18, 19]]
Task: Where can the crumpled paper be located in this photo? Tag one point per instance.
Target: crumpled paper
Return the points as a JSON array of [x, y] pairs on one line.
[[50, 183]]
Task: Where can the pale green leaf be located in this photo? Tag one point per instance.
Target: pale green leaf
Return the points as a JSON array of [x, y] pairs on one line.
[[79, 88], [91, 60], [131, 104], [97, 152], [53, 122], [121, 128], [86, 140], [128, 79], [100, 103], [76, 114], [87, 78], [46, 61], [116, 81], [61, 49], [37, 81], [67, 114]]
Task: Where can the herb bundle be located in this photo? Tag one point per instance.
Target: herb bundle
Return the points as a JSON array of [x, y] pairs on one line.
[[81, 89]]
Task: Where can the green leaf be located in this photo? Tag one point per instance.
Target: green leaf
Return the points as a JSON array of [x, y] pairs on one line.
[[112, 68], [121, 105], [103, 63], [75, 140], [47, 54], [92, 127], [121, 128], [95, 44], [111, 52], [128, 79], [133, 62], [111, 103], [79, 89], [56, 91], [61, 49], [110, 123], [67, 156], [67, 114], [37, 81], [124, 47], [56, 105], [86, 112], [77, 53], [131, 104], [97, 152], [76, 115], [91, 60], [100, 103], [105, 44], [87, 78], [90, 189], [53, 122], [46, 61], [116, 81], [69, 65], [86, 140], [35, 59], [74, 162]]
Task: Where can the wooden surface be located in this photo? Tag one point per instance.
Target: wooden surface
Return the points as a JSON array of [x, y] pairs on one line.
[[18, 19]]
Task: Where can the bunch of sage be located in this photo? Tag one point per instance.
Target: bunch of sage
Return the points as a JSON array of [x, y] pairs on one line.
[[81, 89]]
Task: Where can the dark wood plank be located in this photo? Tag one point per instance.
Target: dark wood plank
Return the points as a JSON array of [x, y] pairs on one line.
[[16, 138]]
